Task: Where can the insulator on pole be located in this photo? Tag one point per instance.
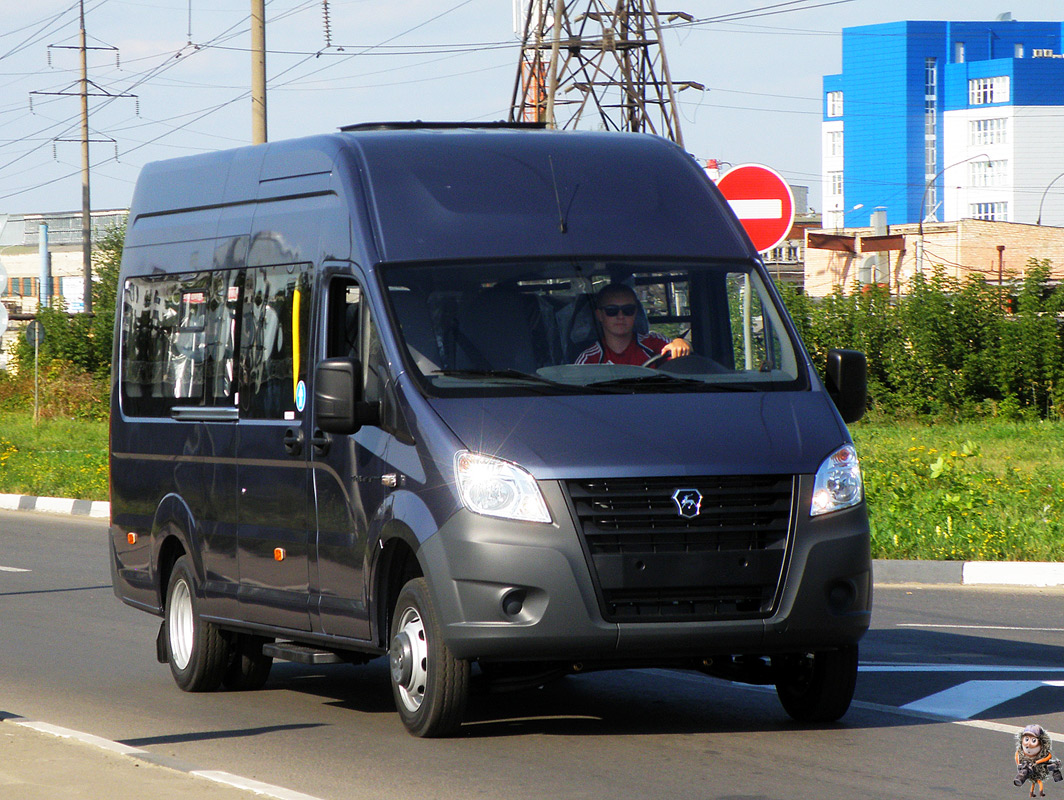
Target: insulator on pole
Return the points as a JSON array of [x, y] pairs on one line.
[[325, 18]]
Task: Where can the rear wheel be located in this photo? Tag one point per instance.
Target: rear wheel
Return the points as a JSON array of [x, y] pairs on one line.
[[430, 685], [248, 668], [817, 687], [196, 650]]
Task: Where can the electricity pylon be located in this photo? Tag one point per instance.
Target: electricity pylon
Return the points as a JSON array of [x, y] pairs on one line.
[[598, 63]]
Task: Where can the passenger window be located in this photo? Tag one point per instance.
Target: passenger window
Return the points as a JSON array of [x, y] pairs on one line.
[[274, 342], [177, 342]]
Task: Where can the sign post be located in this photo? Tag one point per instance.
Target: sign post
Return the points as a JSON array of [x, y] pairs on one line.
[[762, 201], [35, 335]]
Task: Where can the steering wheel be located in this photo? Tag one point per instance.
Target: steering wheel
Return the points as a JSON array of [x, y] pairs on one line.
[[656, 360]]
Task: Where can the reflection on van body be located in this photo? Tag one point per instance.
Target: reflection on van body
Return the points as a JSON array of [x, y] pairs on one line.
[[355, 414]]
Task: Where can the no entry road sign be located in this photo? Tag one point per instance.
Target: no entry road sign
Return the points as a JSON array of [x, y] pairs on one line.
[[762, 201]]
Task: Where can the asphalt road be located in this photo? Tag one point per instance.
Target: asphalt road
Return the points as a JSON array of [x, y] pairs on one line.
[[948, 675]]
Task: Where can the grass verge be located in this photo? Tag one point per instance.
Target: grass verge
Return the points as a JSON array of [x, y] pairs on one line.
[[986, 490], [55, 458]]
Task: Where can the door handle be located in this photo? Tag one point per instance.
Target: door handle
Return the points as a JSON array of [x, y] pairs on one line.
[[320, 442], [293, 441]]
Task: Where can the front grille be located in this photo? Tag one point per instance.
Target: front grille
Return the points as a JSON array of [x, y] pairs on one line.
[[650, 563]]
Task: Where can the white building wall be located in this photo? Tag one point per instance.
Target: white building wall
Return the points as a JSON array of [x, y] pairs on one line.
[[960, 152], [834, 204], [1034, 156], [1039, 156]]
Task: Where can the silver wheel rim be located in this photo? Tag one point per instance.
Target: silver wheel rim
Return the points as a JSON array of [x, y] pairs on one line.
[[181, 624], [408, 658]]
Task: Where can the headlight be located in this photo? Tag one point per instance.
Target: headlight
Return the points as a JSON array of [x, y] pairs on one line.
[[838, 482], [498, 488]]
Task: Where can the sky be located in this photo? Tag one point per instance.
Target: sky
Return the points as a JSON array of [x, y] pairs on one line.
[[172, 77]]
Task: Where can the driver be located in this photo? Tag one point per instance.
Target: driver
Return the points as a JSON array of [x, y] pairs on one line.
[[615, 309]]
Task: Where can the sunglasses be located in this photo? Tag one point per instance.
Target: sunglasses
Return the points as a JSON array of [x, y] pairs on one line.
[[612, 311]]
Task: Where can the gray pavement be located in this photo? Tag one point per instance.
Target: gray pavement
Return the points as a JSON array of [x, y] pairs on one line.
[[41, 762]]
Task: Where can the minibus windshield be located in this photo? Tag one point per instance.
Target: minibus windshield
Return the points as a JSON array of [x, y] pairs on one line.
[[590, 327]]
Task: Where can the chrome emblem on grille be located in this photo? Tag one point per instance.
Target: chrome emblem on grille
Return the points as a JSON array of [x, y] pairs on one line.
[[688, 502]]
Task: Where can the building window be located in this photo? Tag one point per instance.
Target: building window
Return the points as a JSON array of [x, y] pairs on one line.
[[982, 91], [1017, 51], [834, 104], [994, 212], [988, 131], [989, 173], [930, 132], [835, 143], [958, 52], [836, 183]]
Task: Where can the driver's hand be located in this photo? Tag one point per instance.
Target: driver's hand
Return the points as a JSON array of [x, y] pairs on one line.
[[677, 348]]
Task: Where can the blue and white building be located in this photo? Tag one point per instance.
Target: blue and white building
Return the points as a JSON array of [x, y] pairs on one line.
[[940, 121]]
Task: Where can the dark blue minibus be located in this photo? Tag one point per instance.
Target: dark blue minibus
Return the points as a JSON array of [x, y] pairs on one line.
[[368, 401]]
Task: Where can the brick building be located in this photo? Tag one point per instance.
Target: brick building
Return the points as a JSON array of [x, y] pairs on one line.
[[999, 251]]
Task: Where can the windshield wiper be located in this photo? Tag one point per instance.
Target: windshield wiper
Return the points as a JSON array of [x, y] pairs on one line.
[[534, 381], [665, 381]]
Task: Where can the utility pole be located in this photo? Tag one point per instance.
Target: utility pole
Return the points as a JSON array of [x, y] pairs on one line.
[[599, 63], [86, 206], [84, 93], [258, 71]]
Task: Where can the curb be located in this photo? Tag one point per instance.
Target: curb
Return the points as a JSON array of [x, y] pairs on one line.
[[999, 573], [56, 505], [886, 571]]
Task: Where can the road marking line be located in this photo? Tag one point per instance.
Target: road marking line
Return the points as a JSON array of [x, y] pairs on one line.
[[12, 569], [976, 627], [967, 699], [1026, 669], [266, 789], [912, 713], [86, 738]]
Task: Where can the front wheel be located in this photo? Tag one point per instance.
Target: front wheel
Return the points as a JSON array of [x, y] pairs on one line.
[[196, 650], [430, 685], [817, 687]]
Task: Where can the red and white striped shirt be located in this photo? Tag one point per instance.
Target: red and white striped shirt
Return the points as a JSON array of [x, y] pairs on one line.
[[642, 347]]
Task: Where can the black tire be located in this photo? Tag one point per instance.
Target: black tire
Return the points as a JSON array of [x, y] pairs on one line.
[[197, 652], [429, 684], [817, 687], [248, 668]]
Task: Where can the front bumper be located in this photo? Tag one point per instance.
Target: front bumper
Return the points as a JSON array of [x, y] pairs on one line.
[[522, 591]]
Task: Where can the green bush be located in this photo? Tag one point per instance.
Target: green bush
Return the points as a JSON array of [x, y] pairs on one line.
[[948, 349]]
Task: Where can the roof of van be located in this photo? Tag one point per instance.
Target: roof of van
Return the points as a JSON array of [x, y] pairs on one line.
[[440, 192]]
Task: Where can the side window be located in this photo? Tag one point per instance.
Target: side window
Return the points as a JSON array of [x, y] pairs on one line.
[[177, 342], [755, 341], [352, 332], [274, 341]]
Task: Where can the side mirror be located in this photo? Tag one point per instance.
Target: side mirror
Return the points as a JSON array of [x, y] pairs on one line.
[[338, 405], [337, 391], [847, 383]]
